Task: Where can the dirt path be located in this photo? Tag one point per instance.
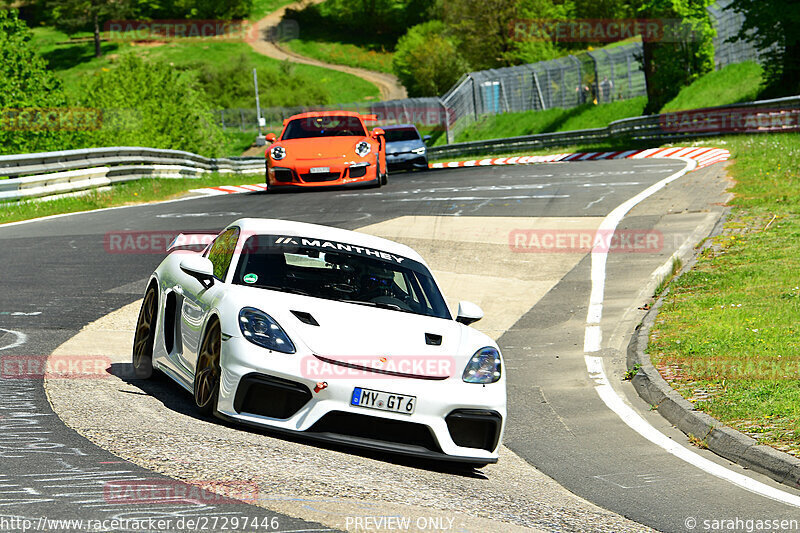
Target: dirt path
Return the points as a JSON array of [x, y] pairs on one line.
[[390, 87]]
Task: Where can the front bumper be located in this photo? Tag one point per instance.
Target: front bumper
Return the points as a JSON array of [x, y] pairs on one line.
[[338, 174], [448, 412], [406, 160]]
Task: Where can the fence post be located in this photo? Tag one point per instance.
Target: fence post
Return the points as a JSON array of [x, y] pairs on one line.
[[474, 100], [539, 91], [630, 76], [579, 71]]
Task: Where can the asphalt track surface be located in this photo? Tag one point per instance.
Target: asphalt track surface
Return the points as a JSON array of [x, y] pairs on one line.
[[58, 277]]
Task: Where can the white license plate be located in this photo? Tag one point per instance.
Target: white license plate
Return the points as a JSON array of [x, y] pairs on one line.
[[320, 170], [384, 401]]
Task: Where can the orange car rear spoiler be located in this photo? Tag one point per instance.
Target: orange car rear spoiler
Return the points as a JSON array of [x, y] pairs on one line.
[[370, 118]]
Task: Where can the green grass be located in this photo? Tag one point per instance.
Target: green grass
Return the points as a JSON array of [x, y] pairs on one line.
[[261, 8], [237, 141], [740, 82], [74, 61], [134, 192], [339, 53], [551, 120], [728, 337]]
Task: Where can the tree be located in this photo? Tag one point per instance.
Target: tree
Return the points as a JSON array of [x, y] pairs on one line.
[[26, 87], [482, 28], [427, 60], [683, 55], [771, 25], [74, 15], [152, 104]]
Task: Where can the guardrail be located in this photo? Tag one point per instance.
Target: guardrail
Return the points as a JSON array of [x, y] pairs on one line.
[[49, 173], [781, 114]]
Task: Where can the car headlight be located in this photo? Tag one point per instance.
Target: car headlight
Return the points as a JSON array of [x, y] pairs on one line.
[[277, 152], [363, 149], [483, 366], [418, 151], [261, 329]]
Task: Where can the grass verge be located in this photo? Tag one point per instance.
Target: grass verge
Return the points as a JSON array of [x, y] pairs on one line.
[[739, 82], [347, 54], [551, 120], [133, 192], [728, 336], [262, 8]]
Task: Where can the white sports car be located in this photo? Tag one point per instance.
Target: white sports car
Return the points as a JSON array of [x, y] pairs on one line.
[[327, 333]]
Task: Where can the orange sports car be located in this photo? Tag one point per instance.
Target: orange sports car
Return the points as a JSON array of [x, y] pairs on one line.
[[323, 149]]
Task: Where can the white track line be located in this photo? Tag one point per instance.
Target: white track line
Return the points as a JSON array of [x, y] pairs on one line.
[[640, 426], [592, 343], [21, 339]]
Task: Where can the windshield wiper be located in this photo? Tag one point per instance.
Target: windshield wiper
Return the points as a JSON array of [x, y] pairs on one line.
[[381, 305]]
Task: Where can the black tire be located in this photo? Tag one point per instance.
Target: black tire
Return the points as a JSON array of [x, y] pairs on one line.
[[382, 176], [143, 339], [207, 371]]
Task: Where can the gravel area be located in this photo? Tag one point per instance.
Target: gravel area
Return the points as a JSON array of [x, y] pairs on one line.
[[153, 424]]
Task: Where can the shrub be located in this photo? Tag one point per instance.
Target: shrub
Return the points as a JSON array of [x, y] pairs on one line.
[[25, 83], [152, 104], [427, 60], [231, 85]]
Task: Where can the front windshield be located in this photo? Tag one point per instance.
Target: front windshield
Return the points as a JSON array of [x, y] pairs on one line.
[[406, 134], [324, 126], [339, 271]]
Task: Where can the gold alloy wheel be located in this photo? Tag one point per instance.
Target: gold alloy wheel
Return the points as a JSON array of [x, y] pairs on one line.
[[206, 380], [143, 339]]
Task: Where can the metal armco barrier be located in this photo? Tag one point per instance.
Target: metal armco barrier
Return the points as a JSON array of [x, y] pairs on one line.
[[49, 173]]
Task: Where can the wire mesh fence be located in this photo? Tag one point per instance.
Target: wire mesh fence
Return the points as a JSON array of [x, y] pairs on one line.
[[727, 48], [599, 76]]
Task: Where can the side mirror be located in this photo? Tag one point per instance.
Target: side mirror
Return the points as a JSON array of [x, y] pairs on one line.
[[271, 138], [426, 139], [200, 268], [378, 132], [468, 313]]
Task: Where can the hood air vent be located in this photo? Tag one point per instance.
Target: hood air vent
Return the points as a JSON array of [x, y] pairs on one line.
[[306, 318], [433, 340]]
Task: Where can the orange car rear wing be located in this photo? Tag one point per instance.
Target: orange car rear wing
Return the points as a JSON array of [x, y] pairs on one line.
[[370, 118]]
